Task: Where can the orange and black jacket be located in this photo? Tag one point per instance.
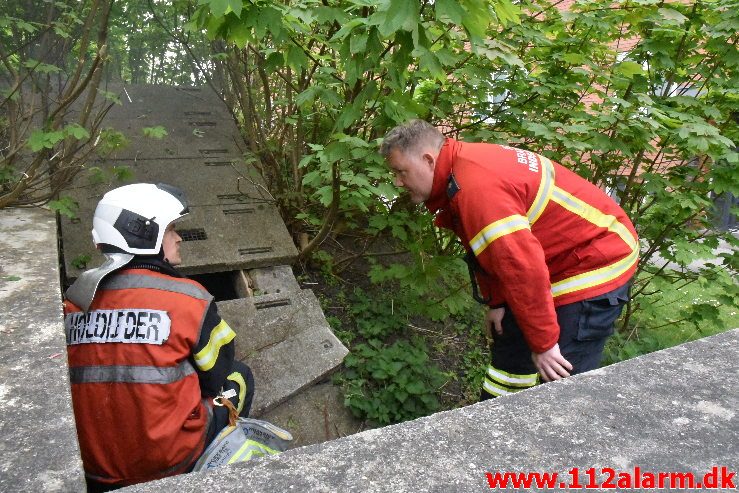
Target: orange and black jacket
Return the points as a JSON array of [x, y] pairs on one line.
[[543, 236], [145, 363]]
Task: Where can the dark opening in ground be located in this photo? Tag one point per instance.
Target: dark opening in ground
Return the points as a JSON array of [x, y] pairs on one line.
[[219, 284]]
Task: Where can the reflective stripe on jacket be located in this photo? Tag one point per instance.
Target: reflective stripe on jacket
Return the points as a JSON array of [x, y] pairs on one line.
[[137, 400], [543, 235]]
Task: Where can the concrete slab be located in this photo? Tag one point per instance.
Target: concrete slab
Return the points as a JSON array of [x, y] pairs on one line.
[[287, 342], [315, 415], [233, 224], [183, 140], [147, 101], [283, 370], [232, 241], [208, 180], [38, 439], [273, 280], [671, 411], [195, 118]]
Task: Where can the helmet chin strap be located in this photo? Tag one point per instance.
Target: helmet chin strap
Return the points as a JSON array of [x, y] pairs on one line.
[[83, 290]]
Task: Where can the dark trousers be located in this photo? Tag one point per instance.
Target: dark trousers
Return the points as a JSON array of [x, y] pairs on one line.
[[584, 328], [241, 380]]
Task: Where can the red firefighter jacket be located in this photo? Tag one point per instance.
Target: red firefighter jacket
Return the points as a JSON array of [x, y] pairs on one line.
[[143, 363], [542, 235]]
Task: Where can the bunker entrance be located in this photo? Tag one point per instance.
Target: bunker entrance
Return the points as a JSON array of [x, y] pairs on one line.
[[234, 243], [219, 284]]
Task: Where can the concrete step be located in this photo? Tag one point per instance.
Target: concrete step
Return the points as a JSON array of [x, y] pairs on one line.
[[287, 342]]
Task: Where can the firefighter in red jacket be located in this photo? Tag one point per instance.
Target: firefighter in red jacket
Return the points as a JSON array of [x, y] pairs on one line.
[[554, 255], [148, 352]]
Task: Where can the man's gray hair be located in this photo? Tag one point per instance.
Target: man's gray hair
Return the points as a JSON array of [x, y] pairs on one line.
[[411, 135]]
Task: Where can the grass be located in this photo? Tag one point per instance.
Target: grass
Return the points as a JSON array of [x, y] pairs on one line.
[[674, 313]]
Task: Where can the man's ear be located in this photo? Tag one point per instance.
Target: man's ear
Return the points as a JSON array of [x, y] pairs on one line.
[[429, 159]]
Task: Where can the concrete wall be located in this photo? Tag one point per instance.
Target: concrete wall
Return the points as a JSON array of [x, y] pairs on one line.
[[670, 411], [38, 440]]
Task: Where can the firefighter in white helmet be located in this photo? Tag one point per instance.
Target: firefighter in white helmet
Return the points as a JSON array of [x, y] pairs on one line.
[[148, 352]]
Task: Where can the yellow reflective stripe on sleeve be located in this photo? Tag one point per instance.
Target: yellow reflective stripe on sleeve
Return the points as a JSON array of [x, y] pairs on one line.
[[239, 379], [512, 379], [495, 230], [544, 193], [604, 274], [219, 337]]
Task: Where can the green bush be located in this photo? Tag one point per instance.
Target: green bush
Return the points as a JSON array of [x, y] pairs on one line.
[[391, 383]]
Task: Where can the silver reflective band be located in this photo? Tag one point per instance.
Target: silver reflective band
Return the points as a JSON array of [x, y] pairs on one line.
[[515, 381], [131, 281], [495, 390], [130, 374]]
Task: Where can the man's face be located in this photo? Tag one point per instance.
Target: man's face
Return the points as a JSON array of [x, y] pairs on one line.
[[414, 171], [171, 245]]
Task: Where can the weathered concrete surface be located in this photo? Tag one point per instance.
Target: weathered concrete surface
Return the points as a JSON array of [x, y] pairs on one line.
[[242, 230], [229, 201], [315, 415], [673, 410], [274, 280], [286, 341], [38, 439], [196, 120]]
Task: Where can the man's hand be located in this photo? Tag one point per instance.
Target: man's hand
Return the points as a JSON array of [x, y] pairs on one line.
[[494, 319], [551, 364]]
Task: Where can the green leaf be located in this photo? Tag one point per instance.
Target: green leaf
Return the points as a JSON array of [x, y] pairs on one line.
[[26, 26], [574, 58], [77, 131], [429, 62], [218, 8], [43, 68], [449, 9], [401, 14], [240, 33], [507, 12], [122, 173], [672, 15], [66, 206], [629, 69], [347, 28], [235, 6], [37, 140], [61, 32], [477, 20], [81, 261], [358, 42], [40, 139], [416, 387], [157, 132], [296, 58]]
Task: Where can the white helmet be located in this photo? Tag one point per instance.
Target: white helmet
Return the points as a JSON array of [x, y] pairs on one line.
[[133, 218]]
